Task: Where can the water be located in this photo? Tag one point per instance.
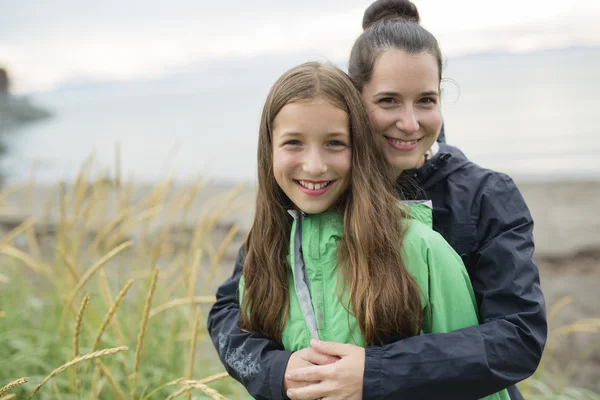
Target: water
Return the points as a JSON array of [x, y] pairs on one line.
[[532, 116]]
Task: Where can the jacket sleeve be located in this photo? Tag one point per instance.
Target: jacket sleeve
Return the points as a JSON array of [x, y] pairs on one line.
[[506, 348], [256, 362], [450, 301]]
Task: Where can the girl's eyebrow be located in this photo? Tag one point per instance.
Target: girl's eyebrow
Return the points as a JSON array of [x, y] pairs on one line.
[[337, 134], [290, 134]]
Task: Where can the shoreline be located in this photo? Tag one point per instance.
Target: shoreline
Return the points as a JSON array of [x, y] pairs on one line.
[[566, 222]]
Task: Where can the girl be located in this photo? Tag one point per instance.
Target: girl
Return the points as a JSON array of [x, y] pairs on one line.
[[479, 212], [329, 244]]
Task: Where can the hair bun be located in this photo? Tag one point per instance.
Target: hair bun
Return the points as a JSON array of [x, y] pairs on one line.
[[390, 9]]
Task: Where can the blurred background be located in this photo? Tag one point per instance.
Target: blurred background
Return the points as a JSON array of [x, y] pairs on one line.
[[175, 90]]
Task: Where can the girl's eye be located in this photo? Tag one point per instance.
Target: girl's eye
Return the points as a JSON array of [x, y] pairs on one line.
[[292, 142], [336, 143]]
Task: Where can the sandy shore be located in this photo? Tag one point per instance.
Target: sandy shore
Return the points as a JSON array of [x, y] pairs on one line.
[[565, 213], [566, 216], [567, 221]]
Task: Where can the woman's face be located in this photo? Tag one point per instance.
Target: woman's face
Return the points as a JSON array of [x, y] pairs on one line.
[[403, 102]]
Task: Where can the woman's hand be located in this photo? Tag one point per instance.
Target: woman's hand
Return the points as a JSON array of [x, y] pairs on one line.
[[342, 380], [305, 358]]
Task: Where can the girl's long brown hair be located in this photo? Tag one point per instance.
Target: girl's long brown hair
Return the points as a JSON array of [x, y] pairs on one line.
[[384, 297]]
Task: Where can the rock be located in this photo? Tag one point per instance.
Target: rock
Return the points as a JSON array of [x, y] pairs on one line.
[[15, 111], [4, 83]]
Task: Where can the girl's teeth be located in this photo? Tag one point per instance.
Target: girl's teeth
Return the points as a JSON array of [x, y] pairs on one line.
[[312, 186]]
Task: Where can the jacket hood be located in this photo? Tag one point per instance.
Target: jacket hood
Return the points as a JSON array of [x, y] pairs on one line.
[[447, 160], [421, 210]]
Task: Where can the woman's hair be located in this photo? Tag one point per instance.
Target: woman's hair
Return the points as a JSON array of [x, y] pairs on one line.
[[384, 298], [389, 24]]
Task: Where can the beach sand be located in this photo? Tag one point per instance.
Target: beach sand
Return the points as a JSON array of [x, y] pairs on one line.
[[566, 216]]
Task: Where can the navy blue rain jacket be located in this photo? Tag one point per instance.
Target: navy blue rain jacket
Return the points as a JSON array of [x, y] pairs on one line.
[[482, 214]]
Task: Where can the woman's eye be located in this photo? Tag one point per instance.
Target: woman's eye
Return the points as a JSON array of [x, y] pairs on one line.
[[291, 143], [427, 100], [387, 100]]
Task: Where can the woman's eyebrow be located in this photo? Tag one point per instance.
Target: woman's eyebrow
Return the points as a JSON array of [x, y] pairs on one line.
[[394, 94], [387, 93]]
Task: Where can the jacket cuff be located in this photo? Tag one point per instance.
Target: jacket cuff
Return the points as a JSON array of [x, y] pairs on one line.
[[276, 374], [372, 389]]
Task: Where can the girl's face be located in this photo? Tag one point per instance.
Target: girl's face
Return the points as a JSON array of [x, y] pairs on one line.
[[403, 102], [312, 153]]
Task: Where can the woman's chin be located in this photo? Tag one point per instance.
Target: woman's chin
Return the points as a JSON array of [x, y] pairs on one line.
[[400, 164]]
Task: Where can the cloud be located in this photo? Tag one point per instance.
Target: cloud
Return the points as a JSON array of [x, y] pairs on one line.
[[49, 44]]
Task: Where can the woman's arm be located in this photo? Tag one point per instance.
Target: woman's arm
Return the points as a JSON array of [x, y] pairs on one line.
[[471, 362], [480, 360], [256, 362], [475, 361]]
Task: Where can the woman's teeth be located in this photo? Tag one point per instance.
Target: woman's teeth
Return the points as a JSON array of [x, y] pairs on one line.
[[314, 186], [403, 142]]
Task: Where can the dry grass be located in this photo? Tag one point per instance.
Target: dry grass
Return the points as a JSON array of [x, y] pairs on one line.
[[143, 326], [78, 321], [180, 302], [111, 380], [13, 384], [193, 347], [190, 385], [75, 361], [551, 380], [88, 275], [111, 312], [94, 238], [204, 388]]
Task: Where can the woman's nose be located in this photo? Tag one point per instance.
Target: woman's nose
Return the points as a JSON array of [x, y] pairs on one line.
[[407, 121]]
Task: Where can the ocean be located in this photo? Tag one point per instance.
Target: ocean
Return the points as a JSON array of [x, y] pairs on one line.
[[532, 116]]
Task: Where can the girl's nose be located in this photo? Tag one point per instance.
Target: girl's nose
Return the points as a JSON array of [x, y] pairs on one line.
[[314, 163]]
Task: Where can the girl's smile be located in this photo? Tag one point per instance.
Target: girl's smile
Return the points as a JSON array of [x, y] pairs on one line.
[[313, 188], [311, 153]]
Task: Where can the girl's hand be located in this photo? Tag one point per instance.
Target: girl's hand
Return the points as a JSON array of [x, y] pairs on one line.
[[342, 380], [305, 358]]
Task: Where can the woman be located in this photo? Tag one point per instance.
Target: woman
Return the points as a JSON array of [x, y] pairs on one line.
[[397, 66]]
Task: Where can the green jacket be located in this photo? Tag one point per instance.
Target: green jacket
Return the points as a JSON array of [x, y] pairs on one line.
[[315, 309]]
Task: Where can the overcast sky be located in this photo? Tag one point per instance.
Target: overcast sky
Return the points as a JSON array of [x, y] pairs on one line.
[[48, 44]]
